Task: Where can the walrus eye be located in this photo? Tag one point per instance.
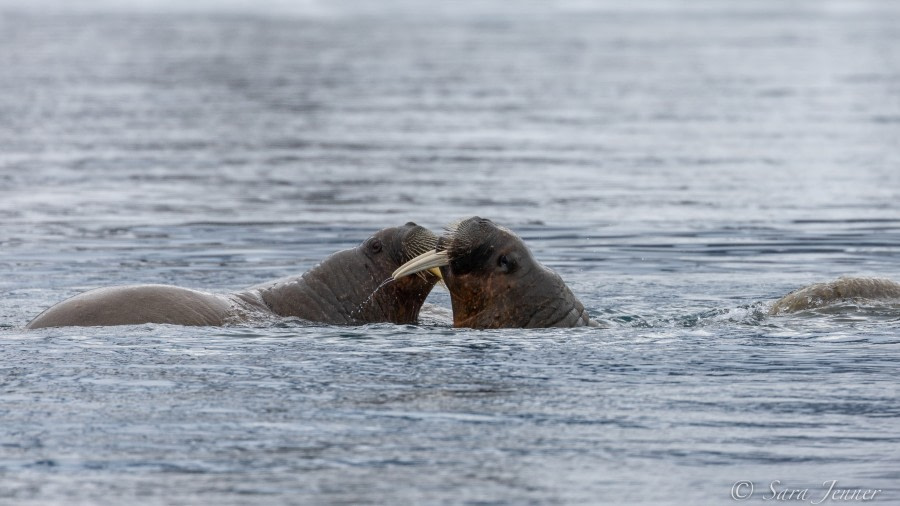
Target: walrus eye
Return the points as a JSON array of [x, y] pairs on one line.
[[504, 263], [375, 246]]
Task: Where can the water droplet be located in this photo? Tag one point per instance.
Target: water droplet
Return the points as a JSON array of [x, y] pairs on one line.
[[369, 298]]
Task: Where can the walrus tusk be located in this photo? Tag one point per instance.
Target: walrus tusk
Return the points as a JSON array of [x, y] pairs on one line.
[[426, 261]]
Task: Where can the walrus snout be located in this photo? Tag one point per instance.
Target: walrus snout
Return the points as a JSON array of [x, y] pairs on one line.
[[416, 241], [470, 238], [465, 235]]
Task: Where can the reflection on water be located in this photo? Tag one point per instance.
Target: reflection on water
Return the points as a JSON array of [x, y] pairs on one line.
[[680, 166]]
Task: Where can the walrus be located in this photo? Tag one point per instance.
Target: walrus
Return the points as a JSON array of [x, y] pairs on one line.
[[495, 282], [833, 292], [346, 288]]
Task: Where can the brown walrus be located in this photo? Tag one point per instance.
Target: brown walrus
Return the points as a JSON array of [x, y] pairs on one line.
[[495, 282], [345, 289], [832, 292]]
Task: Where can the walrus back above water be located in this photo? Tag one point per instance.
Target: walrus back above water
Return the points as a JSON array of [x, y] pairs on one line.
[[133, 305], [345, 289], [832, 292]]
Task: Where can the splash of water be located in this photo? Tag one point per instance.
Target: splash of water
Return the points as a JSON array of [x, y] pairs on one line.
[[369, 298]]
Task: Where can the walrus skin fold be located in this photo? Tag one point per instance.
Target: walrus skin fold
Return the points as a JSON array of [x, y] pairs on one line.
[[495, 282], [345, 289]]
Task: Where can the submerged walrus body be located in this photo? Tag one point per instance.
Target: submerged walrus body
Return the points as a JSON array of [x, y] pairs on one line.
[[495, 282], [344, 289], [837, 291]]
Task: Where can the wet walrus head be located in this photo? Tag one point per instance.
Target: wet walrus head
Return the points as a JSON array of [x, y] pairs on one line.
[[354, 286], [495, 282]]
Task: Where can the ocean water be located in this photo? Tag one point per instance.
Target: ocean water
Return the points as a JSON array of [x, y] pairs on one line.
[[681, 165]]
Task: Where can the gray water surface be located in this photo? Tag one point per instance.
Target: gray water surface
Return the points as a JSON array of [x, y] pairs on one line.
[[681, 165]]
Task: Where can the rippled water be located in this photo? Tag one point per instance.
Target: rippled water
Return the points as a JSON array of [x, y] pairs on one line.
[[680, 165]]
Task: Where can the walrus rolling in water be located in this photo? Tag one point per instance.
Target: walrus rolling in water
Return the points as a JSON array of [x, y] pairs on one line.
[[833, 292], [345, 289], [495, 282]]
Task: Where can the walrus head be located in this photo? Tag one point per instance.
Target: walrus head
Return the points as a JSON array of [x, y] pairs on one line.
[[495, 282], [354, 286], [400, 300]]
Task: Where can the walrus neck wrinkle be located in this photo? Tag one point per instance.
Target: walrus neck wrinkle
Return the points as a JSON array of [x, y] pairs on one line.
[[330, 292], [567, 310], [546, 301]]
